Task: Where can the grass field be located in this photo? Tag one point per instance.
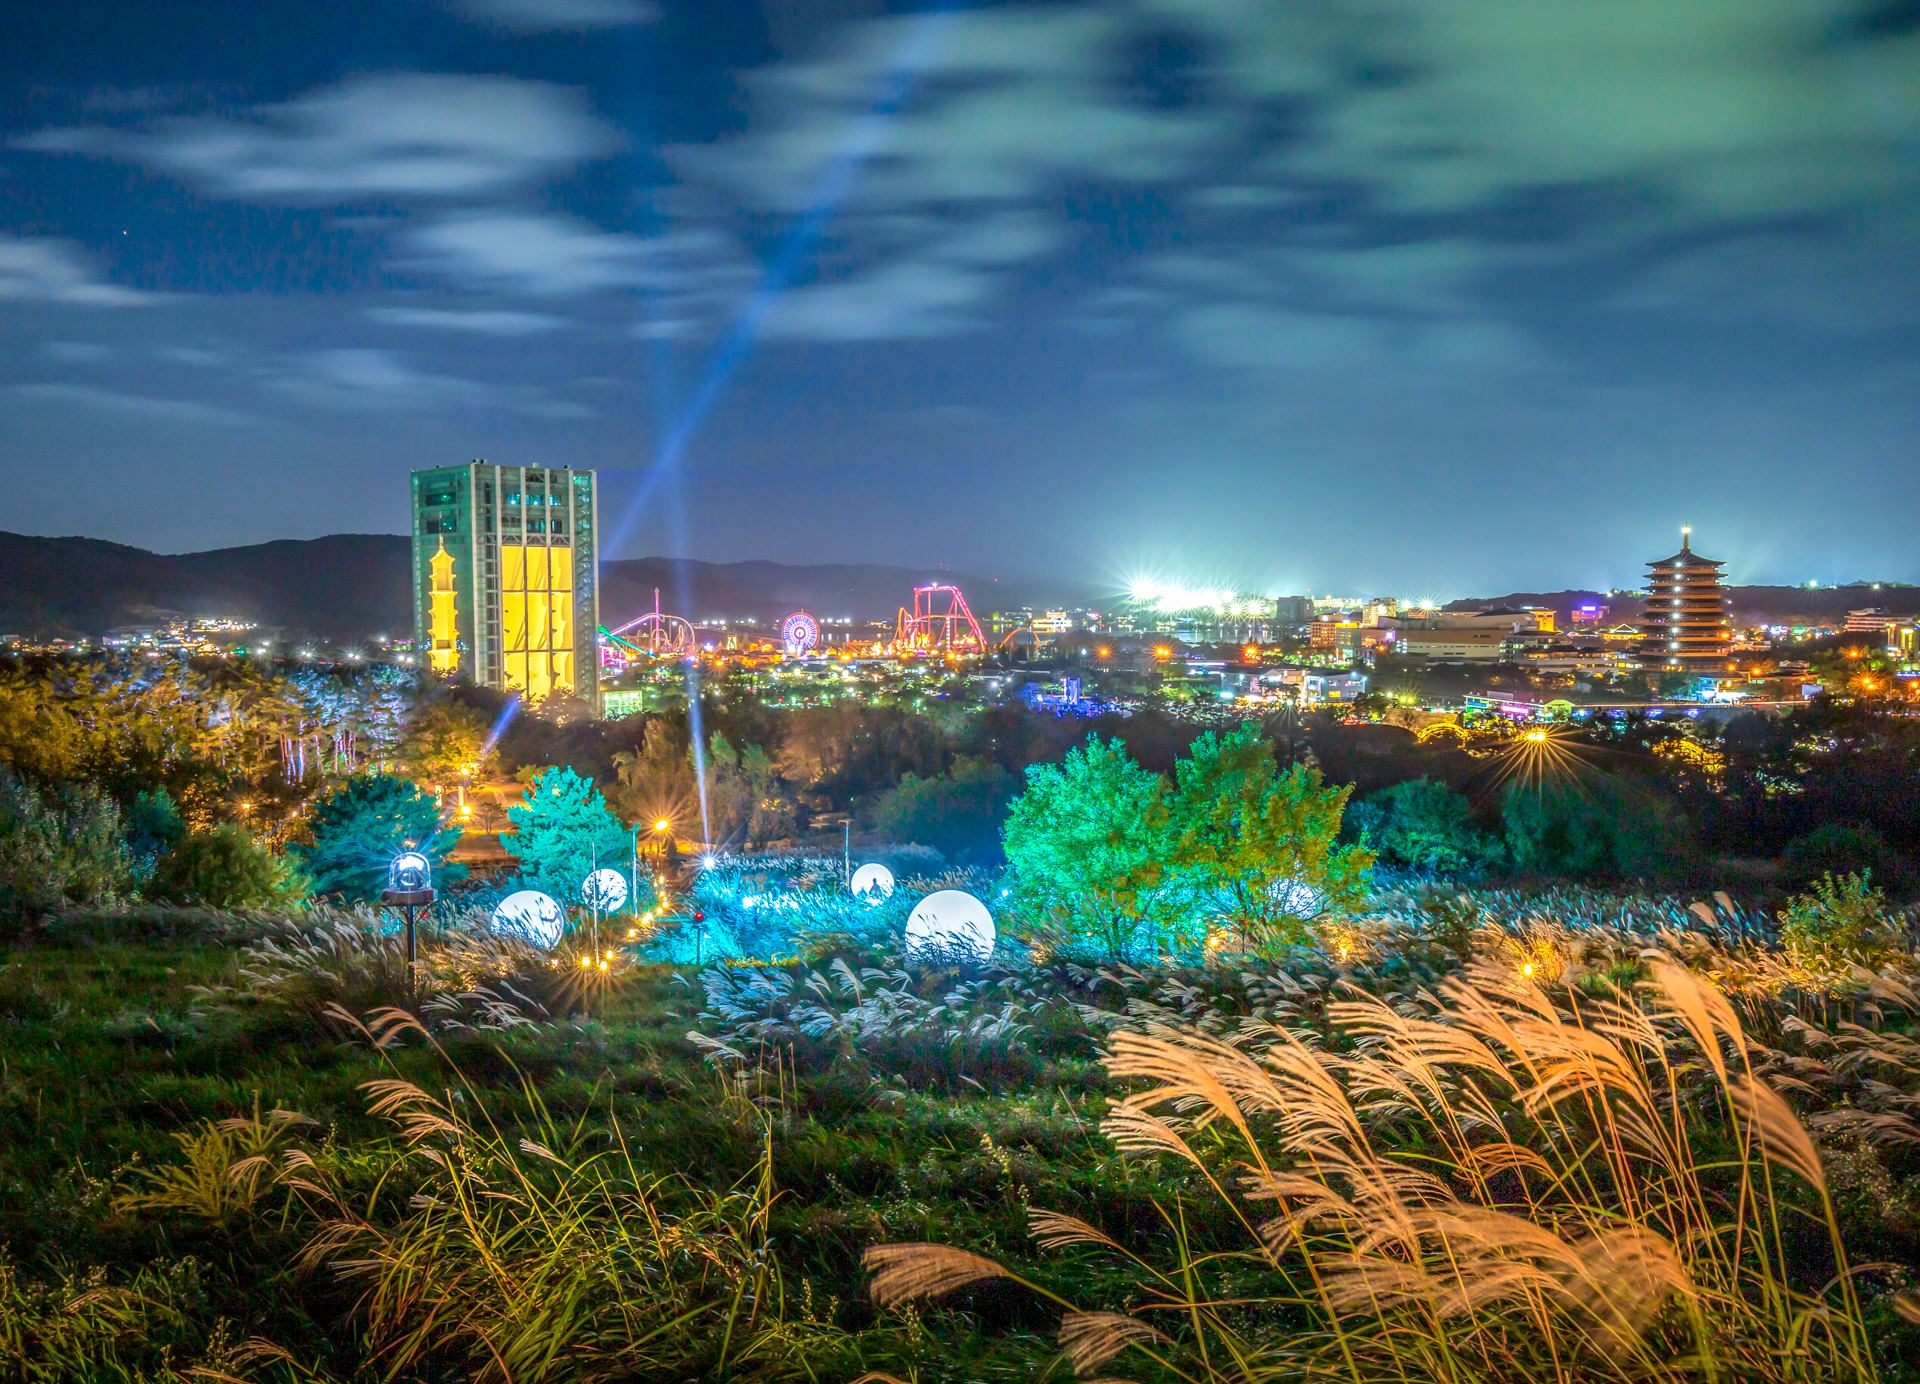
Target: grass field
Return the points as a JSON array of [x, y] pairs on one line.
[[597, 1197]]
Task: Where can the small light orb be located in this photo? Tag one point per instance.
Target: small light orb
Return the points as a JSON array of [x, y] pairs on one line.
[[949, 924], [875, 881], [604, 890], [409, 873], [532, 915]]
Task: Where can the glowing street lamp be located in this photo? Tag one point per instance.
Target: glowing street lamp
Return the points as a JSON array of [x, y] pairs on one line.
[[409, 888]]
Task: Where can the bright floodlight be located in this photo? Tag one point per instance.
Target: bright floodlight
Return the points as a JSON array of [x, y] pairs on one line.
[[604, 890], [532, 915], [949, 924], [875, 878], [409, 873]]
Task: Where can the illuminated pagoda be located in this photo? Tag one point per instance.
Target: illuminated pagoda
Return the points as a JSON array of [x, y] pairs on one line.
[[1685, 628]]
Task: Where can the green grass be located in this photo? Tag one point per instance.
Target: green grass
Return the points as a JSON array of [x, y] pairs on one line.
[[105, 1055], [110, 1054]]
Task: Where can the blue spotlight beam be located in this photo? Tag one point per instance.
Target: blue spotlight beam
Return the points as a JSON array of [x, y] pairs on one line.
[[898, 84]]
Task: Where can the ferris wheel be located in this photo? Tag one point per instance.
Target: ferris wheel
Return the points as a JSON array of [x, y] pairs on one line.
[[800, 634]]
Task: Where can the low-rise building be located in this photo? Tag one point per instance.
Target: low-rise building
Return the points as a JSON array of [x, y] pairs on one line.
[[1452, 645]]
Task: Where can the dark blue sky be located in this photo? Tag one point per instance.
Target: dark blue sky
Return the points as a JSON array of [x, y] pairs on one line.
[[1427, 297]]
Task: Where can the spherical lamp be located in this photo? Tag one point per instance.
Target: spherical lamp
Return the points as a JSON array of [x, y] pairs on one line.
[[604, 890], [949, 925], [874, 881], [532, 915]]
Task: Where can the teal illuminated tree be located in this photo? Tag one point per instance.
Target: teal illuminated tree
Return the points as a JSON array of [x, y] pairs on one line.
[[363, 824], [562, 830]]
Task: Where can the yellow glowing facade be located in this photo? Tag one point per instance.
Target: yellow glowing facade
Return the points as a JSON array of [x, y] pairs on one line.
[[506, 577], [444, 655], [536, 608]]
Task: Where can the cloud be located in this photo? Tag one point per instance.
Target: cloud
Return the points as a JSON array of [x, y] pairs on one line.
[[547, 16], [360, 380], [406, 134], [549, 256], [920, 295], [1261, 338], [1004, 104], [909, 300], [483, 323], [1793, 277], [54, 271], [139, 406], [691, 275], [78, 352]]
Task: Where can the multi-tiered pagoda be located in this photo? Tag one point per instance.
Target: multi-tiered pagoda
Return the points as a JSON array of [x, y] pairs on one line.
[[1685, 628]]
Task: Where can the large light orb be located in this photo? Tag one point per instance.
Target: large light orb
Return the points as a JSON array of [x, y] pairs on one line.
[[604, 890], [875, 878], [532, 915], [950, 924], [1296, 897]]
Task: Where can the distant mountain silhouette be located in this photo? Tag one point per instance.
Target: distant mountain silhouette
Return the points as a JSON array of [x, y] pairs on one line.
[[772, 591], [345, 586], [348, 586], [1751, 605]]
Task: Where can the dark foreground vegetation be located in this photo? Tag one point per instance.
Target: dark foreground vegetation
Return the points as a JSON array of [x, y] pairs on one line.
[[1461, 1137], [1309, 1050]]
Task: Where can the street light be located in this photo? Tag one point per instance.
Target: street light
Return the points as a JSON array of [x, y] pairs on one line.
[[409, 888]]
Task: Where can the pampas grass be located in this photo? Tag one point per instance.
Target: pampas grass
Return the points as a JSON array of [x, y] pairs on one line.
[[1495, 1183]]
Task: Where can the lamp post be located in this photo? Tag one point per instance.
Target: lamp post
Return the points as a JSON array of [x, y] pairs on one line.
[[410, 889]]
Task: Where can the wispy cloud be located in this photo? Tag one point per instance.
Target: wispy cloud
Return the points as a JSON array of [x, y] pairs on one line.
[[184, 411], [360, 380], [496, 322], [55, 271], [405, 134], [547, 16]]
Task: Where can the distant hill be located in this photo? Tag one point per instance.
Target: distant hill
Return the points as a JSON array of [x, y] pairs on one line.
[[772, 591], [1751, 605], [347, 586]]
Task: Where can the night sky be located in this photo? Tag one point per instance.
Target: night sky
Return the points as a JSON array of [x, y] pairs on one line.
[[1420, 297]]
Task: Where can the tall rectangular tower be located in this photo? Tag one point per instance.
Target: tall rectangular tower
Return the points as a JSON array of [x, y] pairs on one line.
[[505, 577]]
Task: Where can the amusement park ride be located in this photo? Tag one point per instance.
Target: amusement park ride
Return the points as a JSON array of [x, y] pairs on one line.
[[653, 635], [939, 623]]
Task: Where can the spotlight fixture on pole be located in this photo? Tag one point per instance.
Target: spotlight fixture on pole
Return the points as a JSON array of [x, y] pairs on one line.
[[410, 889]]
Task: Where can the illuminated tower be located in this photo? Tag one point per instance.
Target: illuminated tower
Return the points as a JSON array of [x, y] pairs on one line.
[[444, 653], [1685, 628], [506, 578]]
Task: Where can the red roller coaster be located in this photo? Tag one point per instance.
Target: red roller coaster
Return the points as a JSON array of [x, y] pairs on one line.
[[938, 623]]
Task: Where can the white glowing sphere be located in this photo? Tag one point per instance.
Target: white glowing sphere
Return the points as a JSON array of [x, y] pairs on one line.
[[950, 924], [532, 915], [605, 890], [877, 878], [1296, 897]]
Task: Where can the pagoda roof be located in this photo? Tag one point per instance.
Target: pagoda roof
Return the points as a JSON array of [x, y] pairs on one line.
[[1686, 557]]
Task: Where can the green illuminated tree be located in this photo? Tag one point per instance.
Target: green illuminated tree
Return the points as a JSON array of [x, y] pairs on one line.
[[363, 824], [562, 830], [1087, 842], [1259, 849]]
